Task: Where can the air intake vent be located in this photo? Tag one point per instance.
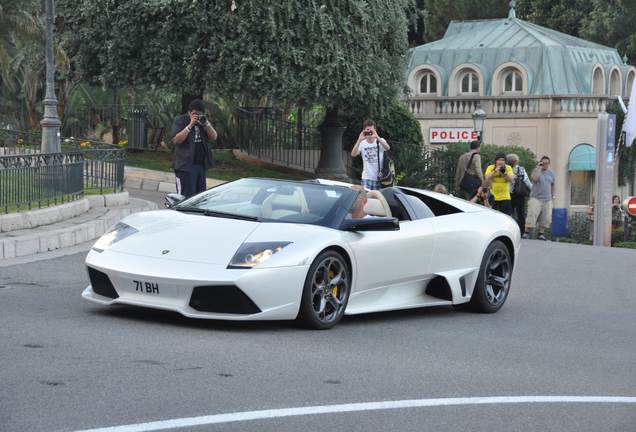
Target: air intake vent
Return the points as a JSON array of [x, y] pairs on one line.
[[227, 299], [438, 287], [101, 284]]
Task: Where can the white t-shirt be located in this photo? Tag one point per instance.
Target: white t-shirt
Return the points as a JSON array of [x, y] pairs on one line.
[[369, 152]]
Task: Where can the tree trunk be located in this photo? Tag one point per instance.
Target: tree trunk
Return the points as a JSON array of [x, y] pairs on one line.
[[331, 164]]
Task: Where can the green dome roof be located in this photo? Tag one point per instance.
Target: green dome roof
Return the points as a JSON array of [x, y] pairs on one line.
[[556, 63]]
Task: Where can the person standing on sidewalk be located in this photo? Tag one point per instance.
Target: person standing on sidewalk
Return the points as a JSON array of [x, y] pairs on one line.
[[468, 174], [519, 190], [500, 176], [192, 133], [372, 149], [541, 196]]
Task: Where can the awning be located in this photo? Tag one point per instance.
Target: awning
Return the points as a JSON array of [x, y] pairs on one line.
[[582, 158]]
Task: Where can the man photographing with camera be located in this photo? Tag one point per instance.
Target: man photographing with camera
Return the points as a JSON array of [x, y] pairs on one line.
[[500, 176], [192, 133], [372, 149]]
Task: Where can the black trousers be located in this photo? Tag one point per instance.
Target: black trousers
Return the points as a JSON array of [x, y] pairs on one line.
[[519, 210], [503, 206], [191, 181]]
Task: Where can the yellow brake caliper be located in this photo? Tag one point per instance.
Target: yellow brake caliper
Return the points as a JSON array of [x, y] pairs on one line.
[[334, 290]]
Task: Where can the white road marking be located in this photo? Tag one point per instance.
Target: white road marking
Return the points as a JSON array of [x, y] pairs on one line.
[[354, 407]]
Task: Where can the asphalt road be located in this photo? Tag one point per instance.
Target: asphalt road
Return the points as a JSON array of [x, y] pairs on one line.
[[568, 328]]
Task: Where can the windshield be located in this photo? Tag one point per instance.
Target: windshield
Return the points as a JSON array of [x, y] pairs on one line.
[[271, 201]]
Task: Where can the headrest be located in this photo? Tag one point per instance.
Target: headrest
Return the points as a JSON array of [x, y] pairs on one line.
[[374, 207], [378, 206]]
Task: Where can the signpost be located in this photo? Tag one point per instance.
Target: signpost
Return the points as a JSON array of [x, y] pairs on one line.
[[447, 135], [604, 186]]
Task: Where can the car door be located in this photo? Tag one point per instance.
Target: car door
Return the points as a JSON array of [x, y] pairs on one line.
[[390, 259]]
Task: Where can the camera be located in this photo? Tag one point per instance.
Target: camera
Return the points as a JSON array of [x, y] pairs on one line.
[[203, 120], [368, 133], [502, 169]]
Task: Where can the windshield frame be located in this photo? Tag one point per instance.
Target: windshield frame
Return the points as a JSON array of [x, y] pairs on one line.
[[331, 219]]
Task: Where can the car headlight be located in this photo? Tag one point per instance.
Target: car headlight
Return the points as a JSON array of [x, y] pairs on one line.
[[251, 254], [120, 232]]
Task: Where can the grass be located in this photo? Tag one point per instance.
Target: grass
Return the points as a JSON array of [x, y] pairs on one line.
[[226, 166]]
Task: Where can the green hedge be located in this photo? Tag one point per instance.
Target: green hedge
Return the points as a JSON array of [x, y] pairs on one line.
[[627, 245]]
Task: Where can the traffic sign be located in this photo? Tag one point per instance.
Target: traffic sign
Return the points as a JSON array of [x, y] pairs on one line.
[[629, 205]]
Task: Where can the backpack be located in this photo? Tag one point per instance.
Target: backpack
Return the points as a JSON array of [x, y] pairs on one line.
[[386, 172], [520, 187], [470, 183]]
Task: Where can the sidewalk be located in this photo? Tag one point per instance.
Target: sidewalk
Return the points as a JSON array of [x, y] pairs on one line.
[[160, 181]]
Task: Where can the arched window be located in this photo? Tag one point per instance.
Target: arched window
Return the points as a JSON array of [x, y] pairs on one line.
[[428, 83], [615, 83], [598, 83], [629, 82], [513, 82], [469, 83]]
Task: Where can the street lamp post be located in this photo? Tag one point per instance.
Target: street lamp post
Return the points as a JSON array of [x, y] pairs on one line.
[[479, 116], [51, 122]]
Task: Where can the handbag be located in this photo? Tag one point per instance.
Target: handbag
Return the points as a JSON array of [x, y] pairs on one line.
[[520, 187], [386, 172], [470, 182]]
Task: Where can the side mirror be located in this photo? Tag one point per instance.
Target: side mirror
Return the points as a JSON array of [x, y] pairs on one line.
[[172, 199], [371, 224]]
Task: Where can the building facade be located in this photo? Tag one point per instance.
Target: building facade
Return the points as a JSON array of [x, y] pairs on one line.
[[541, 89]]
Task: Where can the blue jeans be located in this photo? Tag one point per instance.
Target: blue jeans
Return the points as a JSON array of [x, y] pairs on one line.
[[371, 184], [191, 182]]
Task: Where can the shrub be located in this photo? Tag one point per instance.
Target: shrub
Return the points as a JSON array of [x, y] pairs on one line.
[[618, 235], [627, 245]]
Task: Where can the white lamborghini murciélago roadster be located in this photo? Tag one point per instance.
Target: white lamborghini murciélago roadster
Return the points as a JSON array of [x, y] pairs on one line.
[[262, 249]]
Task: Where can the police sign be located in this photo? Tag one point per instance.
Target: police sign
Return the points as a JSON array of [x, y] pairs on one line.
[[450, 135]]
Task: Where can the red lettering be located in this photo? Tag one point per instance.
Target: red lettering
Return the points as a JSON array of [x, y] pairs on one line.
[[474, 136], [434, 134], [443, 135], [464, 135]]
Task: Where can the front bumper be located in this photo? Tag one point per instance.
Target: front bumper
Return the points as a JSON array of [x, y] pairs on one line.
[[169, 285]]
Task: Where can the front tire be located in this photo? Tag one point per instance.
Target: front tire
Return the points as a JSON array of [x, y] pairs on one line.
[[326, 291], [493, 283]]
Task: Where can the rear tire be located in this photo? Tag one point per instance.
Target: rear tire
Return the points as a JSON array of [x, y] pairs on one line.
[[493, 283], [326, 291]]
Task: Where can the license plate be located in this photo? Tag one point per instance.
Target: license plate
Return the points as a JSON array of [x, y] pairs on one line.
[[146, 287]]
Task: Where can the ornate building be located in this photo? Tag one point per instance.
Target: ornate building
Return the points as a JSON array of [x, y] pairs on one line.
[[540, 88]]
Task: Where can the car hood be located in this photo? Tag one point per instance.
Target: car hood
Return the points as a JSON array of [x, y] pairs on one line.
[[173, 235]]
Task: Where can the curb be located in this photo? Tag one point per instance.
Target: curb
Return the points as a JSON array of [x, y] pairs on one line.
[[14, 246], [51, 215]]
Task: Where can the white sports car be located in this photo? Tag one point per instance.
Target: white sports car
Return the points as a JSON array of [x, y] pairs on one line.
[[262, 249]]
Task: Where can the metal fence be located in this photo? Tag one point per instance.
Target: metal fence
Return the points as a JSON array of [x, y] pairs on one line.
[[131, 122], [264, 134], [30, 179], [40, 180]]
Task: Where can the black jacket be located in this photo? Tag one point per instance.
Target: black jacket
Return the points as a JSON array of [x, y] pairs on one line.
[[184, 152]]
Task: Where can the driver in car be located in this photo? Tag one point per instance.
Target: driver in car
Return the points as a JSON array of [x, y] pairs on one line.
[[357, 209]]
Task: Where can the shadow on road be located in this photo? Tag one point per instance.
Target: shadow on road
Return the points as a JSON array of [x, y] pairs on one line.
[[168, 318]]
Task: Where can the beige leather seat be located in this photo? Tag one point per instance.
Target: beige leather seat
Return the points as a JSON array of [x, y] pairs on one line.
[[292, 204], [376, 205]]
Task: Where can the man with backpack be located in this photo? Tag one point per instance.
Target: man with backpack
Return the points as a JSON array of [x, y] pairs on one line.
[[519, 190], [371, 147], [468, 175]]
